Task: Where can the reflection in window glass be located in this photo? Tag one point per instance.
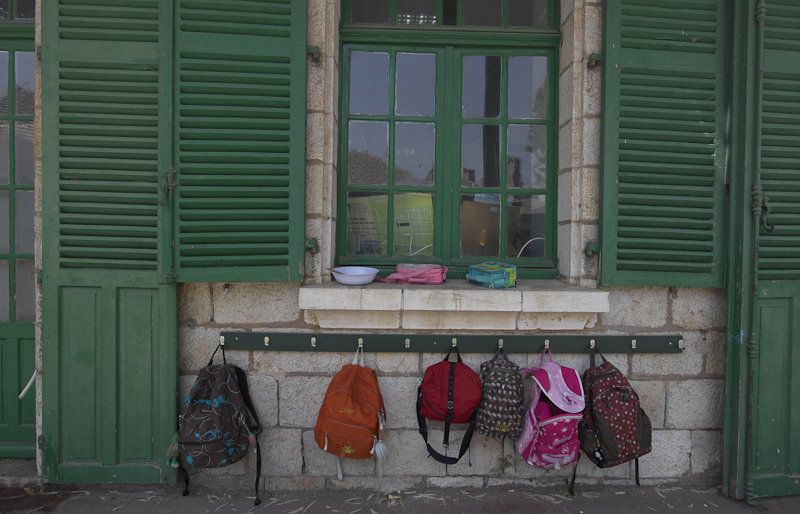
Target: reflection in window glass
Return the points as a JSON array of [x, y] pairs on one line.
[[369, 11], [527, 13], [414, 154], [450, 12], [485, 13], [3, 83], [527, 156], [369, 83], [480, 86], [480, 225], [4, 155], [23, 154], [25, 82], [416, 84], [3, 11], [416, 12], [368, 153], [5, 296], [23, 222], [413, 224], [5, 233], [480, 156], [24, 9], [525, 226], [25, 296], [527, 87], [366, 223]]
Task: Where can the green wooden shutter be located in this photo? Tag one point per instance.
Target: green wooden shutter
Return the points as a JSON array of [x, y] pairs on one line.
[[663, 161], [779, 250], [240, 140]]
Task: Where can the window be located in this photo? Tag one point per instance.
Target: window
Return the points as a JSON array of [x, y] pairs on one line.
[[448, 133]]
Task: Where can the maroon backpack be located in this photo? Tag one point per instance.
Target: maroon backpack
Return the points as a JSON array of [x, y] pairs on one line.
[[450, 392]]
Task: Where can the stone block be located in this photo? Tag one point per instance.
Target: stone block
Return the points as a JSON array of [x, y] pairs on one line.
[[653, 399], [670, 457], [315, 137], [314, 189], [397, 362], [408, 455], [557, 297], [716, 353], [368, 485], [591, 142], [300, 362], [566, 10], [316, 10], [565, 207], [695, 404], [461, 295], [264, 393], [567, 45], [591, 264], [318, 462], [431, 320], [256, 302], [294, 483], [197, 344], [555, 322], [281, 452], [565, 92], [636, 307], [707, 451], [194, 303], [300, 400], [400, 398], [484, 456], [592, 89], [451, 482], [567, 256], [590, 194], [698, 308], [382, 320], [687, 363], [593, 28]]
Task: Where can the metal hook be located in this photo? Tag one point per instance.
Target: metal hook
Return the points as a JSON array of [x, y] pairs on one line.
[[547, 343], [454, 342], [500, 343], [222, 340], [360, 343], [633, 344], [680, 344], [591, 343], [408, 343], [313, 342], [266, 341]]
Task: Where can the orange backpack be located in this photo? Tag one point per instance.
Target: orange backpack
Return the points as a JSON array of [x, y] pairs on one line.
[[352, 416]]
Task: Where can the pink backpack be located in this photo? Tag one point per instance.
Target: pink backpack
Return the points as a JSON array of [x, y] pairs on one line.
[[549, 437], [416, 274]]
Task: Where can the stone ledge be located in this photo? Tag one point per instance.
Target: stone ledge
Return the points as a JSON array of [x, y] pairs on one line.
[[533, 304]]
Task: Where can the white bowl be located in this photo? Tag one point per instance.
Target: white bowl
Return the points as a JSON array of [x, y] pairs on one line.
[[354, 275]]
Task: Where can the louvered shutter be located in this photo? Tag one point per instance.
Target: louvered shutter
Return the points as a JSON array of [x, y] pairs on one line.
[[779, 250], [662, 218], [240, 140]]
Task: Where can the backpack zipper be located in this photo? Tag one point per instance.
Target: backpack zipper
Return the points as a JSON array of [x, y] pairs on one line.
[[364, 400]]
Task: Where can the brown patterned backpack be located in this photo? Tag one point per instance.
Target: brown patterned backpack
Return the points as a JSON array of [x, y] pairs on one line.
[[502, 407]]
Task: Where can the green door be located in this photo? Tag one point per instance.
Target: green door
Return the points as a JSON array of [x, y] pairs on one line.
[[109, 327]]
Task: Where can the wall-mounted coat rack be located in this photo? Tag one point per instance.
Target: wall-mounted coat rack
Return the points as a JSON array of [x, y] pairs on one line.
[[435, 343]]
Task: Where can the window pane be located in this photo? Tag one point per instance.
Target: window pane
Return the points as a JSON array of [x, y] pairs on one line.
[[416, 12], [527, 13], [368, 153], [26, 292], [23, 154], [366, 223], [480, 225], [416, 85], [486, 13], [480, 90], [450, 12], [5, 297], [527, 156], [4, 82], [4, 163], [369, 83], [24, 9], [414, 154], [5, 244], [23, 222], [4, 16], [527, 87], [525, 226], [369, 11], [480, 156], [25, 82], [413, 224]]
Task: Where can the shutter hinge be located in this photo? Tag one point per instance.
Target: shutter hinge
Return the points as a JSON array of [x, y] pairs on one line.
[[39, 53], [311, 244], [38, 277], [313, 51], [170, 276], [167, 185], [592, 248], [595, 60], [40, 442]]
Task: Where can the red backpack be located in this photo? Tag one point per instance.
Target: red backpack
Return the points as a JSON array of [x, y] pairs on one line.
[[450, 392]]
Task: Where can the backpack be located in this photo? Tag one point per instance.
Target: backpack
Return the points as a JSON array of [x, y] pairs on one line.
[[352, 416], [550, 432], [614, 428], [214, 428], [416, 274], [493, 275], [450, 392], [502, 399]]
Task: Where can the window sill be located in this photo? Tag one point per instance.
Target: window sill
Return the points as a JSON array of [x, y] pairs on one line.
[[456, 305]]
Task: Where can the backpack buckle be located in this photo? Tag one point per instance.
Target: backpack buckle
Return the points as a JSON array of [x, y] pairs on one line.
[[450, 405]]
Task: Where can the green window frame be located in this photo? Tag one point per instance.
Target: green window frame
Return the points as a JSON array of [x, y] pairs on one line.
[[400, 209]]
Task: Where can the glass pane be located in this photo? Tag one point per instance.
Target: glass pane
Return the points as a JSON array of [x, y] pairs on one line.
[[368, 153], [23, 222], [25, 82], [525, 226], [416, 85], [26, 291], [480, 225], [527, 87], [366, 223], [485, 13], [414, 154], [4, 163], [480, 89], [413, 229], [527, 156], [369, 83], [5, 232], [4, 16], [24, 9], [527, 13], [4, 82], [480, 156], [5, 297], [416, 12], [23, 154], [450, 12], [369, 11]]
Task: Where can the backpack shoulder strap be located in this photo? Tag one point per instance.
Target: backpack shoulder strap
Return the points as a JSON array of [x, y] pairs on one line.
[[243, 387]]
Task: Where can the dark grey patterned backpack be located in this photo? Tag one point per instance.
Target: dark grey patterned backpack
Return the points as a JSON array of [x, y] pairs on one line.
[[502, 407]]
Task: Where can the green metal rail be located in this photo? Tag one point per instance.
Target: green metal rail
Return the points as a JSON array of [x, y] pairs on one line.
[[435, 343]]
